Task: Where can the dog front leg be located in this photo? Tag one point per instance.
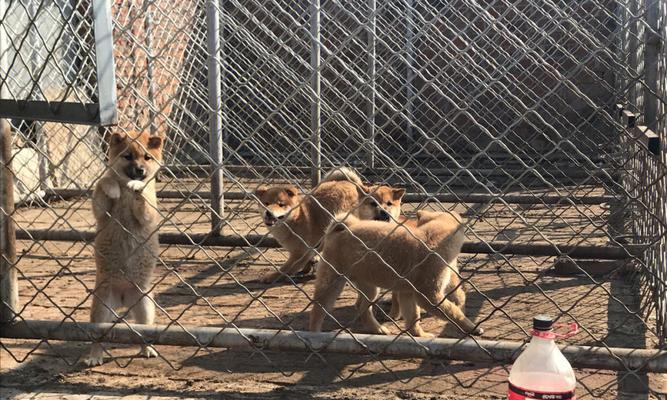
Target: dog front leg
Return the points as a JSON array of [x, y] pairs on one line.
[[327, 289], [144, 206], [367, 295], [411, 314], [106, 191], [455, 292]]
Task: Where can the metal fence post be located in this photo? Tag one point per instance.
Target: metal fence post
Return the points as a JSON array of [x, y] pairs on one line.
[[316, 100], [409, 73], [652, 43], [213, 35], [148, 29], [40, 140], [370, 110], [9, 286]]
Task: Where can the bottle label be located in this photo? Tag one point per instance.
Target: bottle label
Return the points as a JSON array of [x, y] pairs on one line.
[[516, 393]]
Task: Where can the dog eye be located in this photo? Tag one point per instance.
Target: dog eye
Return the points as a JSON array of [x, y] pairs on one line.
[[389, 203], [266, 204], [148, 157], [128, 156], [281, 204]]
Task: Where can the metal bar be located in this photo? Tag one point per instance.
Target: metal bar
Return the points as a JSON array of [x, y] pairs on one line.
[[148, 28], [633, 49], [618, 211], [408, 198], [106, 77], [651, 52], [380, 173], [410, 72], [648, 139], [54, 111], [316, 95], [486, 351], [40, 140], [370, 107], [213, 35], [9, 284], [205, 239], [65, 194]]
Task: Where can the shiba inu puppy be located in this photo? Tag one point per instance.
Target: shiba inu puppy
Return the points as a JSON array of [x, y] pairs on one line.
[[417, 264], [454, 289], [299, 221], [126, 244]]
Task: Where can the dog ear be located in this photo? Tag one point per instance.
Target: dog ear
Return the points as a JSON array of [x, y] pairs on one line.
[[291, 191], [398, 193], [259, 192], [154, 142], [116, 138]]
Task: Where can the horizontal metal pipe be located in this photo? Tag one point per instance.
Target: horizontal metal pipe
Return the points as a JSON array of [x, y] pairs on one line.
[[487, 351], [379, 171], [408, 198], [162, 194], [204, 239]]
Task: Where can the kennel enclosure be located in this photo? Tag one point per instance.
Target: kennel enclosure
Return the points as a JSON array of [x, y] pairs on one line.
[[543, 123]]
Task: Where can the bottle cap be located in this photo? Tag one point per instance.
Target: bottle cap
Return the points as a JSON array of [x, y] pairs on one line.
[[543, 323]]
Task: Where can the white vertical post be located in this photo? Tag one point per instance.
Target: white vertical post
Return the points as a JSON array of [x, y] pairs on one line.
[[213, 35], [316, 98], [106, 77]]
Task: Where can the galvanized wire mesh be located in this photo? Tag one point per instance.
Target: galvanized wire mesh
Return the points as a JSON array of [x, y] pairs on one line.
[[501, 111]]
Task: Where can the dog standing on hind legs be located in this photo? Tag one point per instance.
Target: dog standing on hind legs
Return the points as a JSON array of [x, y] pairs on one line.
[[126, 243]]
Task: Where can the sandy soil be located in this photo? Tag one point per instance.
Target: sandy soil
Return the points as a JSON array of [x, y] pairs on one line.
[[216, 286]]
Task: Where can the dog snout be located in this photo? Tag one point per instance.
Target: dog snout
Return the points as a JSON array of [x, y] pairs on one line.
[[269, 218], [137, 172], [383, 215]]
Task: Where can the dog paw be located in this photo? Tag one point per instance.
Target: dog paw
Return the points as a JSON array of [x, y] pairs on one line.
[[93, 360], [477, 332], [148, 352], [424, 335], [111, 189], [136, 186], [383, 331]]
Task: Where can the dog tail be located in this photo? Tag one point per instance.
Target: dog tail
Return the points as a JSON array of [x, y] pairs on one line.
[[341, 222], [343, 174]]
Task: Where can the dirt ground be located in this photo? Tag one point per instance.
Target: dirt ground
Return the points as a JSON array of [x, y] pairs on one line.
[[217, 287]]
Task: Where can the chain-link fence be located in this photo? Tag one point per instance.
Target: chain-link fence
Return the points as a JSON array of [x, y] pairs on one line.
[[543, 124]]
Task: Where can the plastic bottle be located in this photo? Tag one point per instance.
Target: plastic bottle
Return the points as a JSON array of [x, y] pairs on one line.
[[541, 371]]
